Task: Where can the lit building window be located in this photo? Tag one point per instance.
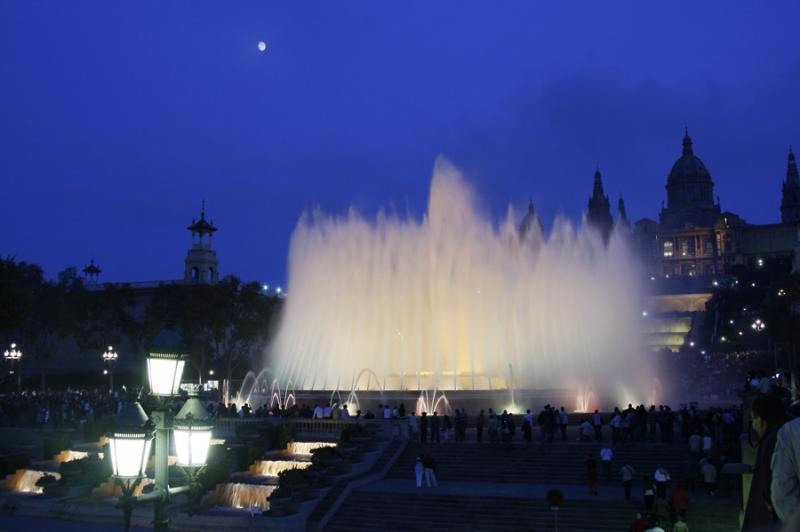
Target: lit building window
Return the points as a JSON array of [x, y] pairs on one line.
[[668, 248], [687, 247]]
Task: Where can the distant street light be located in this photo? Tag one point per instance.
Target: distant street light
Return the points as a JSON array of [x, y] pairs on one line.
[[109, 357], [758, 325], [13, 357]]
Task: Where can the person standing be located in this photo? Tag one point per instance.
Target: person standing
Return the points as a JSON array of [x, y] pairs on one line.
[[606, 455], [662, 478], [429, 466], [494, 426], [785, 486], [649, 495], [591, 473], [479, 426], [597, 421], [423, 428], [419, 469], [709, 476], [542, 419], [615, 423], [435, 431], [564, 422], [448, 425], [680, 500], [767, 418], [652, 419], [527, 429], [627, 473]]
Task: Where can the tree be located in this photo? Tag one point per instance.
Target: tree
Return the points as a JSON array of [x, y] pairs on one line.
[[244, 332], [19, 284]]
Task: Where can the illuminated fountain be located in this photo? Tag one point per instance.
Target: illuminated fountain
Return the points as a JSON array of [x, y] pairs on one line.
[[24, 481], [244, 496], [452, 303], [264, 387], [304, 448]]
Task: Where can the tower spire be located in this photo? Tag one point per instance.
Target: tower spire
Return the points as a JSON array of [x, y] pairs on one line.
[[790, 197], [598, 183], [598, 213], [791, 168], [529, 221], [687, 142], [622, 215]]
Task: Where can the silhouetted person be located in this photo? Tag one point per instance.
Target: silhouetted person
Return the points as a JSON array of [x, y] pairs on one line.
[[423, 427], [649, 493], [767, 418], [435, 432], [479, 426], [597, 422], [591, 473], [627, 473]]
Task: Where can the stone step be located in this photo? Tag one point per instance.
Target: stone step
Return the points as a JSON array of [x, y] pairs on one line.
[[370, 510], [562, 463]]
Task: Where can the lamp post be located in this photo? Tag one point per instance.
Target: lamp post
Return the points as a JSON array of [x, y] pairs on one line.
[[13, 356], [109, 357], [131, 439]]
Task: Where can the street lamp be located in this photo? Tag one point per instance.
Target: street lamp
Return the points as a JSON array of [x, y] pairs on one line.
[[192, 431], [110, 356], [164, 372], [130, 442], [13, 356]]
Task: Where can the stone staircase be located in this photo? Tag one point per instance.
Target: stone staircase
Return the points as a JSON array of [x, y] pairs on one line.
[[330, 499], [477, 505], [556, 463], [426, 511]]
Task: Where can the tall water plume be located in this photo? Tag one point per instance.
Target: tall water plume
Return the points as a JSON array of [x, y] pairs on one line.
[[452, 302]]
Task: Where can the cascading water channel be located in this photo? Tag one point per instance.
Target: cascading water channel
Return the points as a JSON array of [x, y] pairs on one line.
[[235, 495], [271, 468], [24, 481], [304, 448]]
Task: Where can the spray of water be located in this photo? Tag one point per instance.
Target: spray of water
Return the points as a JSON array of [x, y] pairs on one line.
[[452, 302]]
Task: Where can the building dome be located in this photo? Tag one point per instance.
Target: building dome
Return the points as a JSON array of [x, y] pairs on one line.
[[688, 168]]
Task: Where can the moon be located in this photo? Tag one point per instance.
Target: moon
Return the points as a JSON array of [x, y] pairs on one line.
[[262, 46]]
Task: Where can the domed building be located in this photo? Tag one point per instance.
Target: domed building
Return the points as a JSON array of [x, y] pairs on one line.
[[695, 238], [690, 192]]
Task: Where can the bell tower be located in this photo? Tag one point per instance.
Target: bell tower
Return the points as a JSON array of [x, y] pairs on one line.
[[202, 265]]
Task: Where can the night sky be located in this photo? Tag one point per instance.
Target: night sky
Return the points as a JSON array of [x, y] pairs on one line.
[[118, 118]]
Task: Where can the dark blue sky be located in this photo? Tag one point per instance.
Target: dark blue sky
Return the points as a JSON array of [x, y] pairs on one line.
[[117, 118]]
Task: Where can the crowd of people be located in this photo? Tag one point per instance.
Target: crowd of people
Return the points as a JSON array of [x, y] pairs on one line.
[[69, 408], [769, 420]]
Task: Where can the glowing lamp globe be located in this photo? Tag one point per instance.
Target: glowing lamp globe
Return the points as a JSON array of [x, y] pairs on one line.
[[130, 441], [164, 371], [192, 431]]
